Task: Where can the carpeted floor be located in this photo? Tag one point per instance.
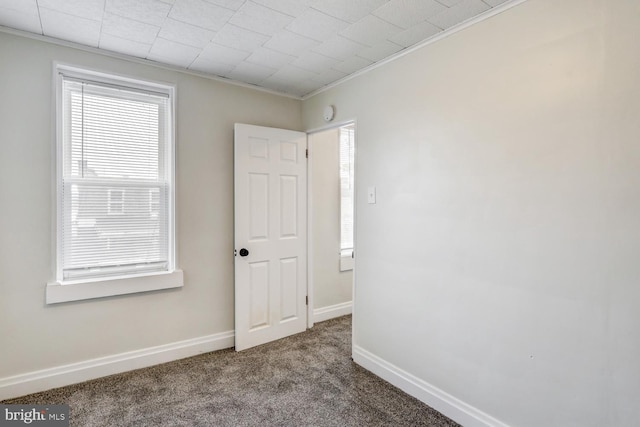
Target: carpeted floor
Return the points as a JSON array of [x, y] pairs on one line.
[[305, 380]]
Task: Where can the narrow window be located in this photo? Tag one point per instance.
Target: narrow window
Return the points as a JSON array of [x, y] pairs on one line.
[[116, 202], [347, 146], [115, 177]]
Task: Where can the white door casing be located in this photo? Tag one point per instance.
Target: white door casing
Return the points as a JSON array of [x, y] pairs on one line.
[[271, 224]]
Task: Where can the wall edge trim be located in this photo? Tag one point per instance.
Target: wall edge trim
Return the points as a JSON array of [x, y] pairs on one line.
[[332, 311], [443, 402], [73, 373]]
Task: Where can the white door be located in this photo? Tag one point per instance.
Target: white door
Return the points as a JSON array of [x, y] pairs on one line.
[[270, 234]]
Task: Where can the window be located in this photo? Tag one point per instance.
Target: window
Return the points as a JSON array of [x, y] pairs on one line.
[[115, 177], [347, 145], [116, 202], [347, 148]]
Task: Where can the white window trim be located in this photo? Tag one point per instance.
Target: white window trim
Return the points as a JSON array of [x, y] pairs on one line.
[[346, 259], [57, 292], [63, 291]]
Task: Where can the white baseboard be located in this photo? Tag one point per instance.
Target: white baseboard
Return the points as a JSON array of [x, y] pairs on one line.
[[326, 313], [59, 376], [439, 400]]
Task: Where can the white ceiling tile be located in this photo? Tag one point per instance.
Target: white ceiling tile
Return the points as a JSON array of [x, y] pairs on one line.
[[120, 45], [370, 30], [150, 11], [20, 21], [352, 65], [250, 73], [415, 34], [380, 51], [329, 76], [29, 7], [90, 9], [288, 7], [274, 80], [269, 58], [173, 53], [207, 65], [339, 48], [260, 19], [350, 10], [129, 29], [406, 13], [291, 43], [201, 14], [229, 4], [450, 3], [291, 74], [464, 10], [70, 27], [317, 25], [239, 38], [314, 62], [494, 3], [223, 54], [186, 33]]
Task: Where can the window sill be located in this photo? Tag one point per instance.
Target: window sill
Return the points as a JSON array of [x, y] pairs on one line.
[[346, 260], [57, 292]]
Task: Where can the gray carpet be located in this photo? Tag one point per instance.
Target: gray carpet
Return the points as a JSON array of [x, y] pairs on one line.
[[305, 380]]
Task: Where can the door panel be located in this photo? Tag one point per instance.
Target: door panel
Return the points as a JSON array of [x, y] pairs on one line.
[[258, 207], [270, 223], [288, 207], [288, 288], [259, 292]]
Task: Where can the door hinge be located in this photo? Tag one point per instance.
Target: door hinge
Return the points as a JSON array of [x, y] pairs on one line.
[[306, 299], [306, 153]]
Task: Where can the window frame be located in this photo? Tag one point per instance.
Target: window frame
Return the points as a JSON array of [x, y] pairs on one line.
[[96, 287]]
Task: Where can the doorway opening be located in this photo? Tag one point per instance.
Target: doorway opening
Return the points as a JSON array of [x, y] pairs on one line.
[[294, 229], [331, 203]]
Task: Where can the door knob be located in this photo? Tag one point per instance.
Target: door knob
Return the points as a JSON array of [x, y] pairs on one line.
[[244, 252]]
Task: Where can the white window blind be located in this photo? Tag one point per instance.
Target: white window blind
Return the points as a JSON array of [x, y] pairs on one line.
[[347, 146], [114, 201]]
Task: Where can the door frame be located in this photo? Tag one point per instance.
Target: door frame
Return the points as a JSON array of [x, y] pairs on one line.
[[310, 285]]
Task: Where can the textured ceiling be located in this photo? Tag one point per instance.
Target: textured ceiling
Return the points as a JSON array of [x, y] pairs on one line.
[[290, 46]]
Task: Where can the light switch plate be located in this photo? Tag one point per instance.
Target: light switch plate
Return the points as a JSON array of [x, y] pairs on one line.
[[371, 195]]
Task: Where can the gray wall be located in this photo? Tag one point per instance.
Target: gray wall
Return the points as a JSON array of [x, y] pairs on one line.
[[330, 285], [35, 336], [500, 263]]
